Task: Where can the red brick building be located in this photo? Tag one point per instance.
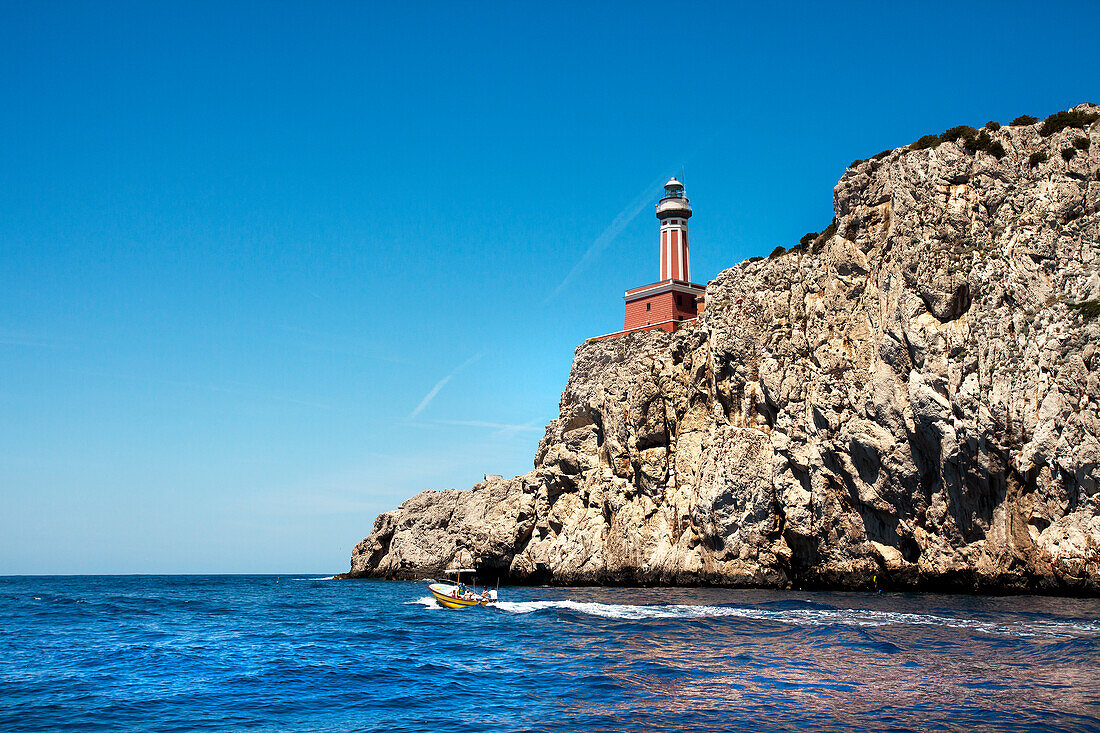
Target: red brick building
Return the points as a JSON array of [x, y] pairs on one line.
[[673, 299]]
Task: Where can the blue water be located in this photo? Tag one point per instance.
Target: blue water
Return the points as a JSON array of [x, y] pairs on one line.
[[262, 653]]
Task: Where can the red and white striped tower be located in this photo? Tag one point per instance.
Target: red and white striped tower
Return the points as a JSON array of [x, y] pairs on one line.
[[674, 210]]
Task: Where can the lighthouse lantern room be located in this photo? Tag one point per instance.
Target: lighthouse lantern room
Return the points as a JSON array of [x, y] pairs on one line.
[[674, 298]]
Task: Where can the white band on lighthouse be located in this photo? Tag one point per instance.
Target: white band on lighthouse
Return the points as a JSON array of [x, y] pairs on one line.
[[674, 210]]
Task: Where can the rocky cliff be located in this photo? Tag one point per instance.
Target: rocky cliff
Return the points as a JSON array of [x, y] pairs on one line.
[[911, 399]]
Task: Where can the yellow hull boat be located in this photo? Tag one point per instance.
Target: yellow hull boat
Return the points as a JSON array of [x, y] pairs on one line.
[[458, 594], [447, 596]]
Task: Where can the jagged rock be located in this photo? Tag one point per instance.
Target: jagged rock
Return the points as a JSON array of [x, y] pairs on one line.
[[909, 401]]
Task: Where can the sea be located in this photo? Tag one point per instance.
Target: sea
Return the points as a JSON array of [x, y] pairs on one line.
[[309, 653]]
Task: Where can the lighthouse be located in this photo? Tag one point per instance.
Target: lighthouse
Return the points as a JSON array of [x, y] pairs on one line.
[[674, 298], [673, 211]]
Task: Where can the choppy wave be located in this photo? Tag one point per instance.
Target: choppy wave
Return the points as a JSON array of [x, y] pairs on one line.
[[805, 617], [214, 653]]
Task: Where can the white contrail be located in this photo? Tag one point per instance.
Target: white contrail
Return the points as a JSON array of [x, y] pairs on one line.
[[621, 221], [608, 235], [440, 384]]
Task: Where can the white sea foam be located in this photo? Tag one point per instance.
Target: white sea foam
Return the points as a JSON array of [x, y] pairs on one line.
[[806, 617], [426, 601], [330, 577]]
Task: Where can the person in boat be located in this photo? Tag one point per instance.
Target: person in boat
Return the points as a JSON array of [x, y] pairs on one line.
[[485, 595]]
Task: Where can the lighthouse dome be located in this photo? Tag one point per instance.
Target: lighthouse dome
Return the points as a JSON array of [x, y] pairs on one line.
[[674, 202]]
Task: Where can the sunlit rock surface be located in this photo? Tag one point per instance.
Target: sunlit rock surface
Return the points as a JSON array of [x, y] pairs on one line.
[[910, 401]]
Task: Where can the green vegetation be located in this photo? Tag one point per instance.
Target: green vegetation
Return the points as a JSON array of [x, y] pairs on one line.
[[973, 140], [966, 132], [1088, 309], [1036, 158], [808, 238], [777, 251], [755, 259], [1061, 120], [876, 157], [928, 141], [982, 141], [1068, 153], [824, 237]]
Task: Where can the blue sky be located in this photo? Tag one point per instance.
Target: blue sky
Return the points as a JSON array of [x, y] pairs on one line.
[[267, 269]]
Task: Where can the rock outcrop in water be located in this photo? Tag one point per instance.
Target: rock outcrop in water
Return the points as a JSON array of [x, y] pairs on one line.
[[911, 400]]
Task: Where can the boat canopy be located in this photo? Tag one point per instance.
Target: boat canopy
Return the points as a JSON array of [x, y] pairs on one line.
[[460, 570]]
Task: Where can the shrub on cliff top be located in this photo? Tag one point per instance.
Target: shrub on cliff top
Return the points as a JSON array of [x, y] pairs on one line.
[[824, 237], [808, 238], [757, 258], [972, 140], [777, 251], [965, 132], [981, 141], [854, 163], [1061, 120], [984, 142], [1037, 158], [928, 141], [880, 156], [1024, 120], [1081, 143], [993, 126]]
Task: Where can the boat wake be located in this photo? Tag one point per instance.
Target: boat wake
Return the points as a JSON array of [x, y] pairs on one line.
[[426, 601], [806, 617]]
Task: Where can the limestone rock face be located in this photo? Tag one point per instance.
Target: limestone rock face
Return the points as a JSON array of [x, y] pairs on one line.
[[912, 401]]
